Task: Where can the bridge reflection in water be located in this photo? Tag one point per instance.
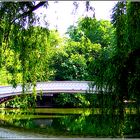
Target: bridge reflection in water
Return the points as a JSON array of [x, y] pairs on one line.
[[48, 89]]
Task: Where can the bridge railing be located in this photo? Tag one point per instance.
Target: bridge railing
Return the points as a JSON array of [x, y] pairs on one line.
[[51, 87]]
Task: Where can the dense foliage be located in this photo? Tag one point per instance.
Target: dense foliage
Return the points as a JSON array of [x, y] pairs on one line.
[[96, 50]]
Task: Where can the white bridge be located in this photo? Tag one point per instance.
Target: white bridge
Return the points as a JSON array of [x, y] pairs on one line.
[[52, 87]]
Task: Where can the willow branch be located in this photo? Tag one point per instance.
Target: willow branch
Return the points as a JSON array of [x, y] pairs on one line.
[[30, 11]]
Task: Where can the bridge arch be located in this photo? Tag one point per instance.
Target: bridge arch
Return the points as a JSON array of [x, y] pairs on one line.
[[51, 87]]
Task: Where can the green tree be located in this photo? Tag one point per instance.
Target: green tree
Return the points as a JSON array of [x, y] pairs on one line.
[[118, 66], [23, 47], [72, 61], [17, 20], [133, 59], [97, 31]]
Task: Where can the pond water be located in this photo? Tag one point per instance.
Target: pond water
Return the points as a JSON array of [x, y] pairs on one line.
[[67, 122]]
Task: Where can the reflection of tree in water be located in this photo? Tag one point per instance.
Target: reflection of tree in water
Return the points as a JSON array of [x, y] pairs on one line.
[[93, 125], [99, 125]]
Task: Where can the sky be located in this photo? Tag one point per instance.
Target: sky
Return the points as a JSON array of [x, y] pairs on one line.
[[59, 15]]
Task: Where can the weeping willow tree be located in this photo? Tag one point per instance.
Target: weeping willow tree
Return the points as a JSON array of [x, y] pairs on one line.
[[22, 45], [18, 42], [133, 61], [117, 68], [127, 50]]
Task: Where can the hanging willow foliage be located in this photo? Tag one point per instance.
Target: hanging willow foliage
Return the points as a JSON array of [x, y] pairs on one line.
[[133, 62], [117, 68], [22, 46]]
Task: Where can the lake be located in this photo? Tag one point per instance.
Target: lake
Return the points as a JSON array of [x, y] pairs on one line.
[[68, 123]]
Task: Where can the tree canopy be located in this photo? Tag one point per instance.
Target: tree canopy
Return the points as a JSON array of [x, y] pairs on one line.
[[98, 50]]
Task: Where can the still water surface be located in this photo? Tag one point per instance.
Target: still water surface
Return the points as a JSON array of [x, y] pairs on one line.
[[67, 122]]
